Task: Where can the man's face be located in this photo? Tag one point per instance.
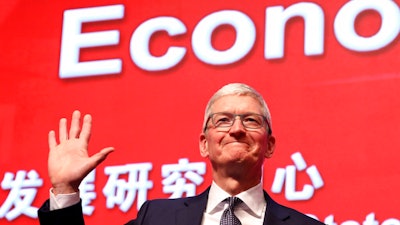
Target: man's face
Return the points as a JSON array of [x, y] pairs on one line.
[[236, 147]]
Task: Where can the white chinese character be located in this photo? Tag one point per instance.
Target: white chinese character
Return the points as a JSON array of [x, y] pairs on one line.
[[23, 190], [290, 173], [87, 193], [123, 192], [176, 176]]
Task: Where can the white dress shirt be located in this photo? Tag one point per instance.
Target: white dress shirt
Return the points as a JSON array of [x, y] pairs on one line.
[[63, 200], [250, 212]]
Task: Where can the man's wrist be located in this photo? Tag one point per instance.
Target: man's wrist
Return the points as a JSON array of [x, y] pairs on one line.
[[63, 189]]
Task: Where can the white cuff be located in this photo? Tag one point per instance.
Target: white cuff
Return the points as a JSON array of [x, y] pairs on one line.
[[63, 200]]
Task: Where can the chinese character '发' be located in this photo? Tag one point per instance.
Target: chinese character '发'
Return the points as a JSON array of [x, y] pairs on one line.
[[23, 190]]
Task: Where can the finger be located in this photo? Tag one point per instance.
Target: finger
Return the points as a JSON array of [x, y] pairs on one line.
[[63, 130], [86, 127], [75, 128], [52, 140]]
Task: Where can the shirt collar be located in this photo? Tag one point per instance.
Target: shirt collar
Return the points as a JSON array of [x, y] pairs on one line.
[[253, 198]]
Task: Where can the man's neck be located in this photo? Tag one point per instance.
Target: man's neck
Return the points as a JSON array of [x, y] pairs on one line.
[[235, 186]]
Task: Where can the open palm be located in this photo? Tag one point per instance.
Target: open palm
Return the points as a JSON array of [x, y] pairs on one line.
[[68, 161]]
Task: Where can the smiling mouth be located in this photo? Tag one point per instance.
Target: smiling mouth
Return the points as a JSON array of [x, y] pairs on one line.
[[237, 143]]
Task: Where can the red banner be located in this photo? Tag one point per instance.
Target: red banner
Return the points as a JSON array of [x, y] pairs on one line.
[[145, 70]]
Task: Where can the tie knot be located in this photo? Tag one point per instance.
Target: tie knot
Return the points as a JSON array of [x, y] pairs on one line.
[[228, 216], [233, 201]]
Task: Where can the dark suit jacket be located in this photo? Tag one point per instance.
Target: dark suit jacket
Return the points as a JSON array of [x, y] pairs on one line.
[[182, 211]]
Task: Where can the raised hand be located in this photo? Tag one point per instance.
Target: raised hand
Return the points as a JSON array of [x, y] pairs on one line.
[[68, 161]]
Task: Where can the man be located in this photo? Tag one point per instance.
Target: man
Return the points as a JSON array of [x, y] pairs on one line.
[[236, 138]]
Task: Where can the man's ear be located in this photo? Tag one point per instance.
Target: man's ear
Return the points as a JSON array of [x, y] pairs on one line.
[[270, 147], [203, 144]]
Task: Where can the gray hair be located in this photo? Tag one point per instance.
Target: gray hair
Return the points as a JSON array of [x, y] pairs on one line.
[[241, 90]]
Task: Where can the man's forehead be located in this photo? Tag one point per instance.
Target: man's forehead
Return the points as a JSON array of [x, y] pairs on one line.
[[232, 102]]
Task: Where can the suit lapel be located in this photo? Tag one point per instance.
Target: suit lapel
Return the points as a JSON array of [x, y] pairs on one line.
[[274, 215], [192, 212]]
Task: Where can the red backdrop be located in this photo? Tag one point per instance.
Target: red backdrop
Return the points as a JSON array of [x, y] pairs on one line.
[[337, 106]]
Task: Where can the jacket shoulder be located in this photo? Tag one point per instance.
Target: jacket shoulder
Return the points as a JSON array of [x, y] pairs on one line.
[[169, 211], [280, 214]]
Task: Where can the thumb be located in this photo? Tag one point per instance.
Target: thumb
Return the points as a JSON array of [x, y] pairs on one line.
[[99, 157]]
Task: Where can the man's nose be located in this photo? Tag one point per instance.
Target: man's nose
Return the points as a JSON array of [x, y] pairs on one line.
[[237, 125]]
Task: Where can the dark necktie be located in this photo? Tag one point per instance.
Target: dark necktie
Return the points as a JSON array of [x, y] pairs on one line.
[[228, 217]]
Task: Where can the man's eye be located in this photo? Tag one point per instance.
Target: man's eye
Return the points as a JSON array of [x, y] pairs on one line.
[[251, 119], [222, 120]]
